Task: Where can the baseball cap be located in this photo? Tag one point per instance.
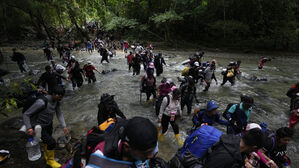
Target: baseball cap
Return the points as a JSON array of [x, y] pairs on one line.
[[141, 133]]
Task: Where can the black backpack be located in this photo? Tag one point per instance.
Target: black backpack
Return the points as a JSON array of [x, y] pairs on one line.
[[31, 99], [227, 108], [84, 149]]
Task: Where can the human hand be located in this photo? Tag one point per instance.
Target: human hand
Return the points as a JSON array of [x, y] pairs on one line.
[[30, 132], [66, 131], [271, 164]]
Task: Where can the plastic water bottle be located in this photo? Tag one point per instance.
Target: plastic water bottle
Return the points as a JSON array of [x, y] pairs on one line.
[[286, 165], [33, 150]]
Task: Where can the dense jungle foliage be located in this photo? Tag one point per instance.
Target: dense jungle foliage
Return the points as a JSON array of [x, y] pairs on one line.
[[260, 24]]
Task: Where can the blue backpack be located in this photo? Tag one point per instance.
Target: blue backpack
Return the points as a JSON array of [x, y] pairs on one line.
[[199, 141]]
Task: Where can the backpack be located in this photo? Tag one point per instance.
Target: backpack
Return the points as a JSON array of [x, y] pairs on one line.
[[31, 99], [227, 108], [159, 102], [197, 117], [109, 131], [199, 141]]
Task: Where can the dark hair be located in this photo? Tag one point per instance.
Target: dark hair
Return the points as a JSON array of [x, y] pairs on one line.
[[58, 90], [284, 132], [253, 137], [176, 92], [48, 68]]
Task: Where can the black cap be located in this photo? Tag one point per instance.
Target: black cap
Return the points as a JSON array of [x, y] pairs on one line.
[[141, 133]]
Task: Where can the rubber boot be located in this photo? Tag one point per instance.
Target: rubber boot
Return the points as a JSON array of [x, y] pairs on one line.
[[51, 160], [178, 139], [45, 152], [161, 137]]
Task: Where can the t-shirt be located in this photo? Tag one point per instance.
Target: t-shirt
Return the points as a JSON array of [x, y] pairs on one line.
[[89, 70], [130, 58], [247, 112]]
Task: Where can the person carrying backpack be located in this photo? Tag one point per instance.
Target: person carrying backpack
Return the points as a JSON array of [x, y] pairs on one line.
[[42, 113], [88, 72], [158, 62], [188, 91], [20, 59], [119, 144], [208, 116], [275, 148], [130, 59], [148, 85], [50, 79], [169, 110], [136, 61], [238, 115], [108, 108], [163, 90], [209, 75], [231, 150], [229, 74], [48, 53]]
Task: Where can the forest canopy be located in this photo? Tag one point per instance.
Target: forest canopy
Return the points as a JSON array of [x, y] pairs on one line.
[[264, 24]]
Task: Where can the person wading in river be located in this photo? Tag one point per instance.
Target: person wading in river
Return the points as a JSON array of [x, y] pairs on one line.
[[20, 59], [42, 113], [108, 108], [170, 109]]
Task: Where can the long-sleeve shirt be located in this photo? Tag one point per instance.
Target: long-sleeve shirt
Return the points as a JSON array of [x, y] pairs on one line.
[[174, 106], [202, 117], [42, 113], [210, 74]]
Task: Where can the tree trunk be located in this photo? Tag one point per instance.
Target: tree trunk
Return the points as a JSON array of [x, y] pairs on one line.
[[42, 21], [73, 20]]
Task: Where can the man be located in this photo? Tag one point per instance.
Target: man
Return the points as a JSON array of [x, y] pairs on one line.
[[104, 54], [50, 79], [231, 150], [59, 69], [89, 47], [238, 115], [75, 74], [292, 92], [188, 92], [275, 147], [108, 108], [42, 113], [48, 53], [208, 116], [135, 146], [130, 59], [136, 61], [20, 59], [229, 74], [158, 62], [210, 75], [148, 85], [88, 72]]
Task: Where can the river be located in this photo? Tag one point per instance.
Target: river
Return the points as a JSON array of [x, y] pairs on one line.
[[271, 103]]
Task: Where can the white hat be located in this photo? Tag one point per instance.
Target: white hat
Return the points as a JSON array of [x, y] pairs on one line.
[[252, 126], [89, 62], [73, 57], [196, 63], [169, 81]]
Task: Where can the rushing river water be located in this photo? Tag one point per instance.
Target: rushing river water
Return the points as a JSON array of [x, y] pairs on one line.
[[271, 103]]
